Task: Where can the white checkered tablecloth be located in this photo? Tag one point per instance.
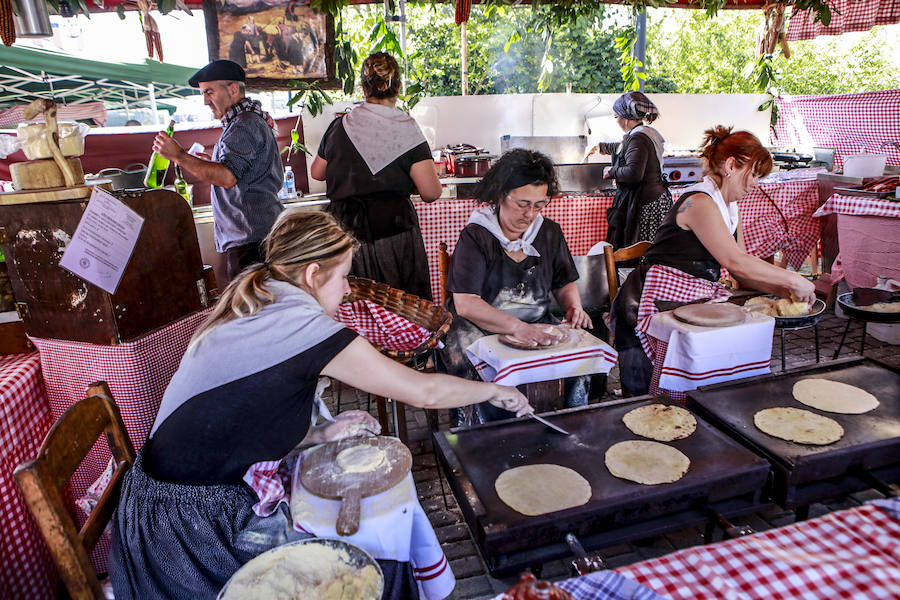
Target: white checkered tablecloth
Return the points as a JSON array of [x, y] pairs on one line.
[[137, 373], [859, 206], [849, 123], [846, 554], [582, 218], [26, 567], [777, 216], [846, 15]]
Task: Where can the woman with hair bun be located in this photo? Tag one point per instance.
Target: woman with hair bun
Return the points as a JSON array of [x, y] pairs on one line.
[[700, 235], [371, 160], [642, 198], [245, 394]]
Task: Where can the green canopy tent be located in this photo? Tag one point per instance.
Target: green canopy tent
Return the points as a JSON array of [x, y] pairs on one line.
[[27, 73]]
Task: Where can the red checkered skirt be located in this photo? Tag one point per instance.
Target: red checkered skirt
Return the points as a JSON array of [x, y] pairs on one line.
[[671, 285]]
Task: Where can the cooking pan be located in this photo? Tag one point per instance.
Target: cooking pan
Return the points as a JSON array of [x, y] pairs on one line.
[[847, 304], [130, 177]]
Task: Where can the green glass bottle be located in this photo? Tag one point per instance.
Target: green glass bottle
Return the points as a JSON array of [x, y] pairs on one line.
[[158, 166], [181, 185]]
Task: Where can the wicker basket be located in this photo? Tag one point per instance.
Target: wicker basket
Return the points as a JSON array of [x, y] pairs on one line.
[[433, 317]]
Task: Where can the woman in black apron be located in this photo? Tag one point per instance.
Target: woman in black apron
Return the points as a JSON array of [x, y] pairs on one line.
[[699, 235], [507, 262], [371, 160]]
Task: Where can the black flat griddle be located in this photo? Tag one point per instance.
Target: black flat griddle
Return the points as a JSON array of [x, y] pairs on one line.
[[721, 472], [806, 473]]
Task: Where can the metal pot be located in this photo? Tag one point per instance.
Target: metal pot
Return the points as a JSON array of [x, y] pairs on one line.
[[130, 177], [32, 19], [472, 165]]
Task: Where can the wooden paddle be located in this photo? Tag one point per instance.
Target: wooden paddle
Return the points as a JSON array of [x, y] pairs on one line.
[[321, 475]]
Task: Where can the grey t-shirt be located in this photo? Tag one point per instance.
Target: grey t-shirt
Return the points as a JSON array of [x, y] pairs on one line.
[[244, 213]]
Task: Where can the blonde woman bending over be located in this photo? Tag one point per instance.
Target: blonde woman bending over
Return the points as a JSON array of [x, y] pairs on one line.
[[243, 394]]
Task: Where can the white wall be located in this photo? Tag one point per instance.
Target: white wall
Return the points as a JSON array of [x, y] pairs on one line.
[[482, 120]]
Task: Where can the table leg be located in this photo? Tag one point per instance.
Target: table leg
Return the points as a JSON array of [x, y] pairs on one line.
[[398, 414], [381, 405], [816, 333], [843, 337], [781, 334], [862, 344]]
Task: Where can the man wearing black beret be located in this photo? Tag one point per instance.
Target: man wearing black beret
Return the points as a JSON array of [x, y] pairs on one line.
[[244, 171]]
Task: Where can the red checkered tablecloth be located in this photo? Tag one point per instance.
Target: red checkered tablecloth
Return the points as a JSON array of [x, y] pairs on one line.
[[848, 554], [777, 216], [582, 218], [859, 206], [849, 123], [26, 567], [380, 326], [137, 373], [846, 15]]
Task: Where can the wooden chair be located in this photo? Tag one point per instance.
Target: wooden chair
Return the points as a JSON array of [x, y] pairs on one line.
[[621, 255], [444, 267], [43, 479]]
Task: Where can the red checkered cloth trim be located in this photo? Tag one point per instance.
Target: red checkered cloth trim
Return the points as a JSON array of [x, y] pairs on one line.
[[269, 479], [26, 567], [859, 206], [670, 285], [846, 15], [846, 554], [582, 218], [137, 373], [849, 123], [380, 326]]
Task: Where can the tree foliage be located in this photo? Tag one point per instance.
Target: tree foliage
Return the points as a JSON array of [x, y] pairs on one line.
[[708, 56]]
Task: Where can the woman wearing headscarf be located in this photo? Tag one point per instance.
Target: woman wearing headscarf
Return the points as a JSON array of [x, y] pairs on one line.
[[371, 160], [507, 262], [642, 198]]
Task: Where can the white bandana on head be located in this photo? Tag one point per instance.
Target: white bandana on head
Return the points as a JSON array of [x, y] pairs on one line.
[[487, 219]]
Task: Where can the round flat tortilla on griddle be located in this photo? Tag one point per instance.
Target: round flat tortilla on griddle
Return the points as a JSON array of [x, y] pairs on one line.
[[797, 425], [834, 396], [541, 489], [648, 463], [660, 422]]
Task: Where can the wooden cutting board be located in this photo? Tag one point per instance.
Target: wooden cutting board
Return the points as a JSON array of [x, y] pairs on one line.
[[710, 315], [40, 174], [321, 475]]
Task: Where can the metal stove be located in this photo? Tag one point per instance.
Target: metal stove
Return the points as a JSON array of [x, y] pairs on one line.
[[868, 456], [682, 169], [724, 480]]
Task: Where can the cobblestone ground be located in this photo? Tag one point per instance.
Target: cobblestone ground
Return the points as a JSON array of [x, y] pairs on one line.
[[473, 580]]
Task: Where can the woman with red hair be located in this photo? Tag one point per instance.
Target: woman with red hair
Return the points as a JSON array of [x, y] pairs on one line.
[[700, 235]]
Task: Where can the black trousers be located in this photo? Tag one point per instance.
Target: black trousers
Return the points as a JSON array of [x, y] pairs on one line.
[[238, 258]]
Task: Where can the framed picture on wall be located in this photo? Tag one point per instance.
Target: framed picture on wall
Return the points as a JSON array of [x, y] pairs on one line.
[[274, 40]]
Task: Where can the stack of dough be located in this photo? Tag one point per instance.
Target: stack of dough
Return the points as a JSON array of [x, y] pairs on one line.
[[778, 308]]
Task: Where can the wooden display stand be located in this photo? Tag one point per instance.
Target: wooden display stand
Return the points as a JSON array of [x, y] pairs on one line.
[[162, 282]]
